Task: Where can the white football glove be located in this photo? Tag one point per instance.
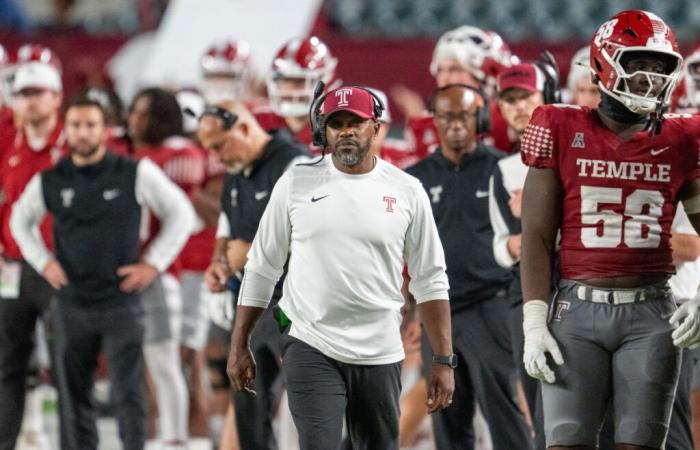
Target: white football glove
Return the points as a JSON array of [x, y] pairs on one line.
[[220, 306], [686, 319], [539, 341]]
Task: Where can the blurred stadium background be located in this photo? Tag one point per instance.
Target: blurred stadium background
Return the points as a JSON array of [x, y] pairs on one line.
[[379, 43]]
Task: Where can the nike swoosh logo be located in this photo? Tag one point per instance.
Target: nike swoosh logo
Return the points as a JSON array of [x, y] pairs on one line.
[[482, 194], [315, 199], [110, 195], [261, 195], [658, 151]]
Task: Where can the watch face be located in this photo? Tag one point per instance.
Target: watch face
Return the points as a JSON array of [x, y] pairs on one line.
[[450, 360]]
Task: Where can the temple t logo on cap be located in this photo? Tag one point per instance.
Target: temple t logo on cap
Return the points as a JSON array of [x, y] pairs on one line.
[[342, 94]]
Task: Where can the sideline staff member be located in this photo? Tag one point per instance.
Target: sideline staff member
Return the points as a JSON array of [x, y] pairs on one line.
[[255, 160], [456, 177], [348, 222], [95, 198]]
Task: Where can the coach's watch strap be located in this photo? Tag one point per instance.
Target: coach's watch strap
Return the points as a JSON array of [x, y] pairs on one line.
[[449, 360]]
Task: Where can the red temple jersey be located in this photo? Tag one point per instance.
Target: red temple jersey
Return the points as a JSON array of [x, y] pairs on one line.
[[398, 152], [118, 142], [618, 197], [7, 128], [270, 121], [185, 164], [266, 117], [421, 131], [19, 163], [197, 254], [181, 160]]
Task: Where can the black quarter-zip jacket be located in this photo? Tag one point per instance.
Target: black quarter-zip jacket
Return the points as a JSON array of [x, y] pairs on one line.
[[459, 196]]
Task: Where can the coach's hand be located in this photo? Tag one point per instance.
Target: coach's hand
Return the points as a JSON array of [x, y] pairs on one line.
[[686, 319], [538, 342], [441, 387], [241, 369], [54, 274], [137, 277]]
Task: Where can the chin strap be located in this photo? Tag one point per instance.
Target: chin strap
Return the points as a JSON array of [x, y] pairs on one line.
[[655, 121]]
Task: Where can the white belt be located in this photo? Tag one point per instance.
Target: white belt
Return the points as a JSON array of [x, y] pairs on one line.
[[615, 297]]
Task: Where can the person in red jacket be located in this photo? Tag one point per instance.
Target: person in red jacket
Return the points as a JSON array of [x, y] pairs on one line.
[[36, 144]]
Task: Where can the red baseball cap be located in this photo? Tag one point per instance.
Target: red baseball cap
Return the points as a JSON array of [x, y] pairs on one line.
[[349, 98], [524, 76]]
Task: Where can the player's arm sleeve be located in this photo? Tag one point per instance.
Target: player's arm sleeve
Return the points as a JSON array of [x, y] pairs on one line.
[[24, 224], [502, 220], [424, 254], [537, 145], [223, 228], [270, 248], [170, 204]]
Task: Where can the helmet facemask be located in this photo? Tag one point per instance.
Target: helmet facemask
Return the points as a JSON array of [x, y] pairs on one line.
[[660, 85]]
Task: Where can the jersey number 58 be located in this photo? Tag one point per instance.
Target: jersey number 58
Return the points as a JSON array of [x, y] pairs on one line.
[[638, 227]]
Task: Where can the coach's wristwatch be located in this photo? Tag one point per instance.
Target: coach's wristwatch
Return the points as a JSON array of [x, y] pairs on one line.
[[449, 360]]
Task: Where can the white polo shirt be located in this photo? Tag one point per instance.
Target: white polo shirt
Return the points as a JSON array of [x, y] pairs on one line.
[[348, 236]]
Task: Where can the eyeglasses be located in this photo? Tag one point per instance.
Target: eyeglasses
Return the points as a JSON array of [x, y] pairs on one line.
[[447, 118]]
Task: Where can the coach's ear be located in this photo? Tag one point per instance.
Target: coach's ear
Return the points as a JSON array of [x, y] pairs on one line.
[[376, 126]]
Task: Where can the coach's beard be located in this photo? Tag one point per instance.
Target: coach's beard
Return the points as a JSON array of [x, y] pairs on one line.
[[350, 153], [84, 151]]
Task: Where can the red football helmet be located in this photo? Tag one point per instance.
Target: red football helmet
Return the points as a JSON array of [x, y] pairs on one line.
[[691, 79], [37, 53], [296, 69], [481, 52], [227, 70], [635, 31]]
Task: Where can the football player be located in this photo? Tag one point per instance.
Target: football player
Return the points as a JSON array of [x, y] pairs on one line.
[[227, 71], [296, 69], [609, 179]]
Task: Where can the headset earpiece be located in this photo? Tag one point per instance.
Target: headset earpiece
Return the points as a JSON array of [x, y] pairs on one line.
[[551, 92], [318, 129]]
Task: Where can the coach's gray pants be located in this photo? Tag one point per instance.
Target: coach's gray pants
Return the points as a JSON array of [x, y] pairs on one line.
[[322, 390]]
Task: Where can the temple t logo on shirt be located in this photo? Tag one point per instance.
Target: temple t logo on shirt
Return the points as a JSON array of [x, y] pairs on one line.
[[390, 202]]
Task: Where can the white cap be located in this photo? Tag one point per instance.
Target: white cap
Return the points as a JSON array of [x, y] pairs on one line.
[[37, 75], [386, 115]]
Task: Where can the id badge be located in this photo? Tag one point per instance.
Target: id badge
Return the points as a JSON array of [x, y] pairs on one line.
[[10, 275]]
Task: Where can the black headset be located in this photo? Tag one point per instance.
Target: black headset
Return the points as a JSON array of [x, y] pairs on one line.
[[318, 121], [228, 118], [551, 92], [483, 114]]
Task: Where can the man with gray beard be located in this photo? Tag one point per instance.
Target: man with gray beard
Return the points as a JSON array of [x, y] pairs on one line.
[[347, 223]]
